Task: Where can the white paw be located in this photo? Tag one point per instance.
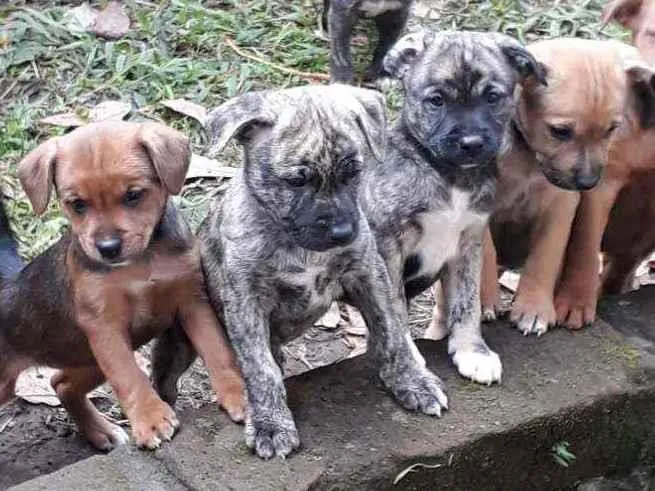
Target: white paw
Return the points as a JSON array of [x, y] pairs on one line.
[[529, 324], [488, 314], [481, 367]]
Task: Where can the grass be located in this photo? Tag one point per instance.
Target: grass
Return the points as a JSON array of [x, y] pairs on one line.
[[176, 49]]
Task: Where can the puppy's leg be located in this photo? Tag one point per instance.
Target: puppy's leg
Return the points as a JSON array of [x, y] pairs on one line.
[[151, 419], [532, 309], [72, 385], [437, 329], [402, 367], [577, 293], [461, 281], [172, 355], [10, 369], [341, 20], [390, 26], [208, 338], [489, 294]]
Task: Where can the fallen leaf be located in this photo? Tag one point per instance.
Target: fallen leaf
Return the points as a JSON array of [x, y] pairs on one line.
[[188, 108], [510, 280], [203, 167], [330, 320], [112, 22], [109, 111], [357, 345], [79, 19], [356, 324], [33, 386], [142, 362], [5, 420], [65, 120]]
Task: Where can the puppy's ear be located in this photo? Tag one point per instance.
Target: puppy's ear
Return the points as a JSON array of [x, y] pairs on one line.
[[169, 152], [371, 118], [241, 117], [642, 93], [524, 62], [406, 51], [36, 173], [624, 12]]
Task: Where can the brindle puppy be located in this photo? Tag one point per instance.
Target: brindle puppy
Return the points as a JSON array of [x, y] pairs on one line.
[[429, 201], [290, 238]]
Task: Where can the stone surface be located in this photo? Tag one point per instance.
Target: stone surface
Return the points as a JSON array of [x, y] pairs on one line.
[[594, 389]]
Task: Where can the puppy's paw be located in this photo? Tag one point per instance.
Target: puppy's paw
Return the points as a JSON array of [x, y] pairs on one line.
[[418, 389], [575, 306], [272, 434], [482, 366], [232, 397], [488, 313], [532, 313], [104, 435], [153, 424]]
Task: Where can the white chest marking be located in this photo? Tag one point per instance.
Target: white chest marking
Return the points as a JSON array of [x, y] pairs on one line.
[[442, 230], [373, 8]]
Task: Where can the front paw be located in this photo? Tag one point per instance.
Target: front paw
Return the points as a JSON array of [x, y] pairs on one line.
[[272, 434], [477, 362], [575, 305], [152, 423], [418, 389], [532, 312]]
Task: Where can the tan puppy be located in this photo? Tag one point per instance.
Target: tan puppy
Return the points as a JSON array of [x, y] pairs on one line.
[[561, 142]]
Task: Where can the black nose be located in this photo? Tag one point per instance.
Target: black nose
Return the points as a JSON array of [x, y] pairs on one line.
[[584, 180], [342, 232], [109, 248], [471, 144]]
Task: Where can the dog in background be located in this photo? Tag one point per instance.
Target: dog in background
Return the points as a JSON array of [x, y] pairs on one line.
[[10, 262], [428, 203], [339, 19], [128, 270], [290, 238], [561, 142]]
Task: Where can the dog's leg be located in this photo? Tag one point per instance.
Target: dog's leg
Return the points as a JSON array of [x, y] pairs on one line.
[[461, 281], [10, 369], [172, 355], [577, 293], [489, 292], [208, 337], [390, 26], [341, 21], [532, 309], [437, 329], [402, 367], [72, 385], [151, 419]]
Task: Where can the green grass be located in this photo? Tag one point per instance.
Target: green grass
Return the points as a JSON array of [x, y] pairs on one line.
[[176, 49]]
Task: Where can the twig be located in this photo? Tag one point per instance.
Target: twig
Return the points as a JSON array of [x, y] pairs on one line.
[[291, 71]]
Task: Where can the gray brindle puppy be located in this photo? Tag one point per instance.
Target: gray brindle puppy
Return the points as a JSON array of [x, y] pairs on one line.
[[428, 203], [290, 238], [339, 19]]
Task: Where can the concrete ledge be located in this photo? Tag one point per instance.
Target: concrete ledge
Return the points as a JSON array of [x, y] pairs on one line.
[[593, 389]]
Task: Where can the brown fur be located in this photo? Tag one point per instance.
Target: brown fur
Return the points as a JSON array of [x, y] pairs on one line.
[[74, 309]]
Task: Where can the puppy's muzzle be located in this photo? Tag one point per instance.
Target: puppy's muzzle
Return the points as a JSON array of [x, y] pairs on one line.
[[109, 248], [586, 180], [471, 145]]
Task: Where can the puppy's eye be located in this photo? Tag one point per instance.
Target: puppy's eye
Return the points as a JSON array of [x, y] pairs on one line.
[[78, 206], [561, 133], [133, 197], [493, 96], [611, 129], [300, 178], [436, 100]]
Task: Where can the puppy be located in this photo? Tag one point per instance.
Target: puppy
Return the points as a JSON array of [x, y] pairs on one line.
[[128, 269], [290, 238], [10, 261], [560, 146], [339, 19], [429, 201]]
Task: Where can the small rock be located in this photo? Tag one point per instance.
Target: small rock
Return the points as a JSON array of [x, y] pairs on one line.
[[112, 22]]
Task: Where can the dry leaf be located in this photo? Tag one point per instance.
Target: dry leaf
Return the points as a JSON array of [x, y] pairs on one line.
[[357, 345], [510, 280], [109, 111], [203, 167], [356, 324], [80, 18], [188, 108], [65, 120], [142, 362], [330, 320], [112, 22], [33, 386]]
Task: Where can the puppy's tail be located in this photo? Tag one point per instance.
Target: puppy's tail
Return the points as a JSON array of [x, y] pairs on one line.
[[10, 261]]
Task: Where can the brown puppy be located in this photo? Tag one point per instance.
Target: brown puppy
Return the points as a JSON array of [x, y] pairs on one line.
[[128, 269], [561, 144]]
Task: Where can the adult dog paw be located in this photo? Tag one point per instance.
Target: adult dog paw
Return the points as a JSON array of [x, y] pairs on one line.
[[153, 424], [272, 435], [482, 366], [418, 389], [532, 312], [104, 435]]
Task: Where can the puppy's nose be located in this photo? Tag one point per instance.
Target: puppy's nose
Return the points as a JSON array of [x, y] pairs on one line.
[[471, 144], [586, 180], [342, 232], [109, 248]]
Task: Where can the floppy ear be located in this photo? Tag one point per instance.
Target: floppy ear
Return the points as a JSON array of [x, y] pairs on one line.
[[524, 62], [622, 11], [371, 118], [169, 152], [36, 173], [241, 117], [642, 98], [406, 51]]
